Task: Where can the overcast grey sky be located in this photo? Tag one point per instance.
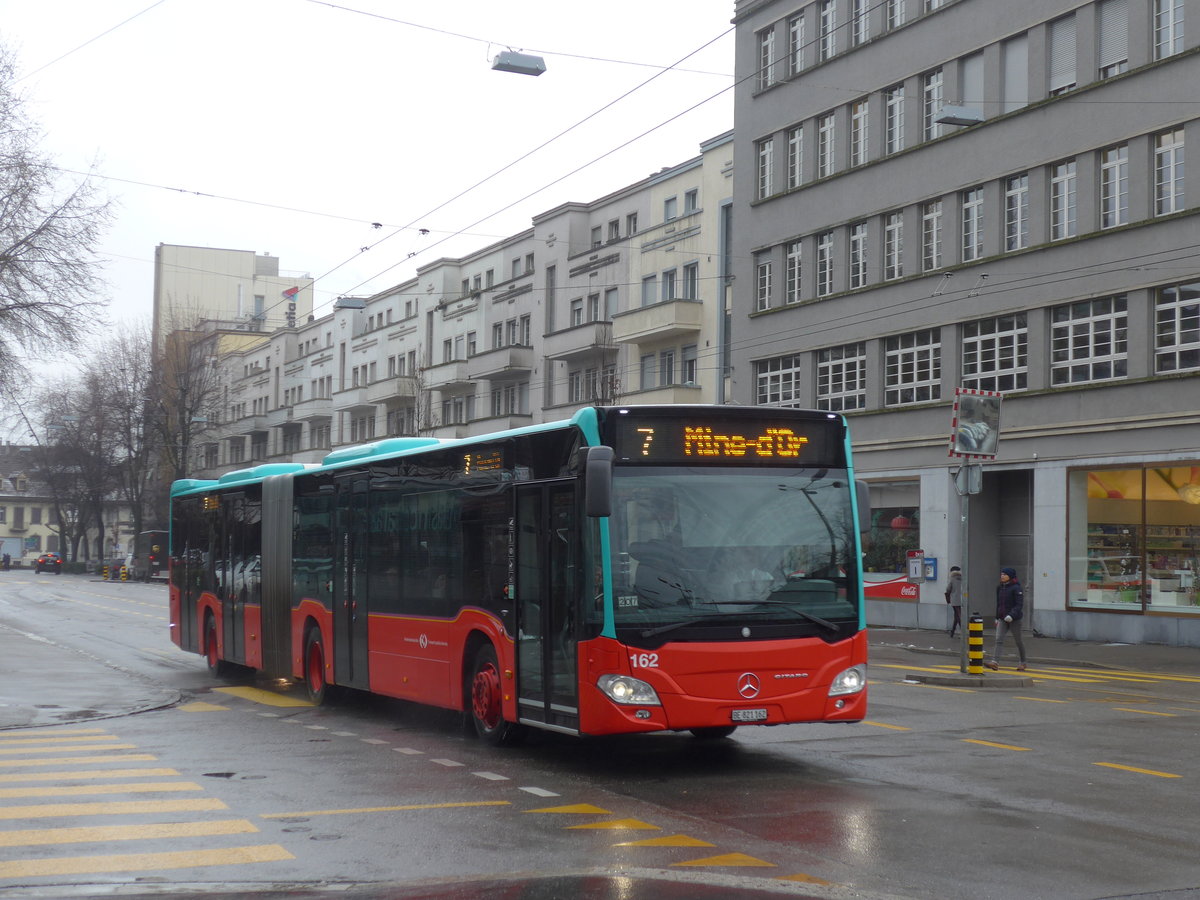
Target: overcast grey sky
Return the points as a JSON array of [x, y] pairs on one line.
[[289, 126]]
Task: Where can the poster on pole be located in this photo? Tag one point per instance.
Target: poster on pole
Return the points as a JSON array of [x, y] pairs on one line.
[[975, 426]]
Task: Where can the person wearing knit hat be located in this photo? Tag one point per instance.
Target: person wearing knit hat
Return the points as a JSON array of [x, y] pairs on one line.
[[954, 587], [1010, 607]]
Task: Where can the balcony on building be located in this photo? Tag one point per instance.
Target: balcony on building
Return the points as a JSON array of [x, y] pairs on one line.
[[249, 425], [396, 387], [312, 409], [502, 363], [280, 416], [658, 322], [578, 341], [447, 376], [352, 400], [671, 393]]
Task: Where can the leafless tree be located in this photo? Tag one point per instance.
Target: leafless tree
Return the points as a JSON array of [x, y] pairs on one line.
[[184, 397], [49, 230]]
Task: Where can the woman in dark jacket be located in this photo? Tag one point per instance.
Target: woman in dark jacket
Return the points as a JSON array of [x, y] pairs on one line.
[[1010, 607]]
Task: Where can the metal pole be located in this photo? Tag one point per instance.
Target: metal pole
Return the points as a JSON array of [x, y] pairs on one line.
[[965, 610]]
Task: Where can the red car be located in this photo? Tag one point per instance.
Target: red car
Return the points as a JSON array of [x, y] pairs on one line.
[[48, 562]]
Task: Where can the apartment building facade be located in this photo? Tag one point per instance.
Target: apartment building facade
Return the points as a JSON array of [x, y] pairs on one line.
[[615, 300], [935, 195]]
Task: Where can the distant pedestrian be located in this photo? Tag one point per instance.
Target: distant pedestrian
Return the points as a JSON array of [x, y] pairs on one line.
[[954, 597], [1010, 607], [6, 562]]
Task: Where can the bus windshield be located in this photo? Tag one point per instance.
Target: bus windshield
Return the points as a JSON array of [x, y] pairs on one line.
[[702, 554]]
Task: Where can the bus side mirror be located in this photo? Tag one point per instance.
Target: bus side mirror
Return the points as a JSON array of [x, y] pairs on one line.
[[864, 506], [597, 481]]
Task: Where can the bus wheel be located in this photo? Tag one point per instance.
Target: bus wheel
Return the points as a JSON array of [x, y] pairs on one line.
[[485, 701], [216, 666], [714, 733], [314, 668]]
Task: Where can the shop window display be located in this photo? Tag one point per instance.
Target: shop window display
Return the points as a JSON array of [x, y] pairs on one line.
[[1135, 539], [895, 529]]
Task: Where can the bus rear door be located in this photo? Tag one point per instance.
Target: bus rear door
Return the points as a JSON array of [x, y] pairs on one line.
[[548, 583], [350, 583]]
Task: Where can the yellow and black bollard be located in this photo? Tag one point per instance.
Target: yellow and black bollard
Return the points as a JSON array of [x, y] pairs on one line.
[[125, 577], [104, 573], [975, 645]]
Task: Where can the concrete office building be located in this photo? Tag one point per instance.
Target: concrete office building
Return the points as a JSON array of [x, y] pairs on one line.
[[944, 194]]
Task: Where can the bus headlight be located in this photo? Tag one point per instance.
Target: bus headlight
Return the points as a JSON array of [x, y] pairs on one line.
[[627, 690], [851, 681]]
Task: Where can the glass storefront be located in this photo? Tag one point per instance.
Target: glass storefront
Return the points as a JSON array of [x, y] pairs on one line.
[[895, 529], [1134, 539]]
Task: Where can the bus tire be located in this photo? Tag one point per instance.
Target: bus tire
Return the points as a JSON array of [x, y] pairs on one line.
[[486, 711], [315, 685], [713, 733], [217, 667]]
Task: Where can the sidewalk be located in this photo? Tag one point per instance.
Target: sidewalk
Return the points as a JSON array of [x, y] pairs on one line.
[[892, 642], [43, 683]]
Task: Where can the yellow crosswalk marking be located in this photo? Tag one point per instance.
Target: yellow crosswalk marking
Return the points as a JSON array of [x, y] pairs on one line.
[[675, 840], [24, 733], [371, 809], [201, 706], [74, 739], [58, 748], [78, 790], [585, 808], [1135, 769], [142, 862], [728, 859], [993, 744], [23, 777], [116, 808], [267, 698], [619, 825], [78, 760], [39, 837]]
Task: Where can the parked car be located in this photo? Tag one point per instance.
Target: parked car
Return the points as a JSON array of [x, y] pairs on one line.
[[48, 562]]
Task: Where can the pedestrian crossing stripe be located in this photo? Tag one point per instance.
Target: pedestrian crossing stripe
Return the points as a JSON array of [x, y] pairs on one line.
[[143, 862], [78, 760], [23, 777], [87, 834], [117, 808], [73, 739], [58, 748], [76, 790]]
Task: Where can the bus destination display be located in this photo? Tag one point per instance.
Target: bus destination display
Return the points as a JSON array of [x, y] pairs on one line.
[[687, 441]]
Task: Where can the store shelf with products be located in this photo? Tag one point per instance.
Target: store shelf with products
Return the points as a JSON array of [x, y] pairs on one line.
[[1116, 554]]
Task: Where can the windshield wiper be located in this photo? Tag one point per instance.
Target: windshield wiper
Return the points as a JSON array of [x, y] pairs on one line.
[[673, 626], [824, 623]]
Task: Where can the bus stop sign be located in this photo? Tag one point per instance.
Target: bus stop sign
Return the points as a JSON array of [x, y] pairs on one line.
[[916, 566]]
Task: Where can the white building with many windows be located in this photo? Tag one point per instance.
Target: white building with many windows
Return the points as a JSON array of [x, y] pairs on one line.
[[946, 194]]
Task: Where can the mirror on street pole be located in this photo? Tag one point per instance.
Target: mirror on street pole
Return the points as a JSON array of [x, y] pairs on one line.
[[975, 426]]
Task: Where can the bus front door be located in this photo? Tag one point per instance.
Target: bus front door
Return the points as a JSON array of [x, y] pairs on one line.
[[350, 584], [547, 594]]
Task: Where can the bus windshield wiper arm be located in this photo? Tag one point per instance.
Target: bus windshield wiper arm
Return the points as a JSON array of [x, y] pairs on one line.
[[824, 623], [673, 626]]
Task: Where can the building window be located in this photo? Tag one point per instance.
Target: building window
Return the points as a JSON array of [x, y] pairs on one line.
[[795, 175], [841, 377], [614, 230], [777, 381], [668, 285], [860, 22], [972, 224], [762, 283], [670, 209], [647, 371], [691, 201], [1015, 75], [1168, 172], [792, 273], [1114, 37], [1114, 186], [528, 263], [576, 311], [688, 358], [825, 145], [691, 283], [796, 43], [597, 236], [931, 235], [1062, 55], [827, 44], [858, 254], [631, 224], [893, 115], [1177, 328], [931, 104], [497, 335], [1062, 200], [1168, 28], [649, 290], [893, 246], [766, 163], [893, 13], [912, 368], [593, 308], [1016, 212], [666, 368], [766, 58], [824, 263], [1088, 340], [859, 148], [995, 353]]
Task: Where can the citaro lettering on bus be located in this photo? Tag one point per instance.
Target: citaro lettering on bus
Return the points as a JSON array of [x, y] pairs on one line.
[[776, 442]]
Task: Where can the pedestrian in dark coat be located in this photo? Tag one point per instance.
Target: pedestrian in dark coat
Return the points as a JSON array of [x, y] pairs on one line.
[[954, 597], [1010, 608]]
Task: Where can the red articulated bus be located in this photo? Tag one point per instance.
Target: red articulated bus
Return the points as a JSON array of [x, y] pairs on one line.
[[632, 569]]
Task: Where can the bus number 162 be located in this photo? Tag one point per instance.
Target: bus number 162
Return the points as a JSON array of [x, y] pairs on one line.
[[644, 660]]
